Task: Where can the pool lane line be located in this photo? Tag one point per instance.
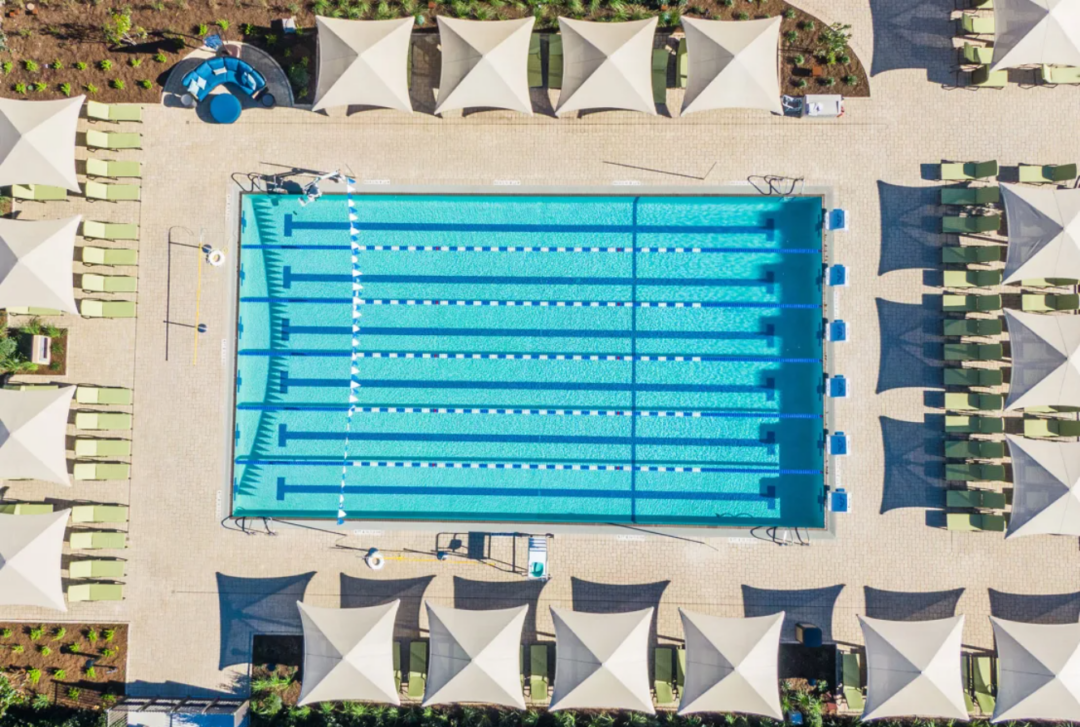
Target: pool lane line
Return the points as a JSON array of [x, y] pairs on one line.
[[431, 355], [450, 465], [287, 330], [550, 250], [287, 382], [529, 303], [526, 412], [288, 277]]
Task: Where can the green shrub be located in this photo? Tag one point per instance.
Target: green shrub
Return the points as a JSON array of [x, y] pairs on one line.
[[18, 649], [31, 66], [157, 6], [247, 29], [789, 13], [75, 648], [830, 81], [46, 651], [742, 15], [91, 673], [851, 80], [799, 83], [146, 83], [33, 675], [117, 83], [161, 57], [298, 75], [135, 62], [5, 633], [40, 702], [105, 64], [108, 700], [109, 634], [790, 36], [40, 86], [844, 58], [60, 633], [92, 635], [106, 653], [73, 693], [36, 633], [294, 9], [799, 59], [270, 38], [223, 24], [201, 29], [808, 25], [80, 66], [7, 67], [59, 675]]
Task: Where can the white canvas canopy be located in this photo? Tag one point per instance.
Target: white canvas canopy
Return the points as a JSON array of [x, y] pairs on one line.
[[363, 63], [35, 263], [348, 654], [913, 668], [30, 550], [37, 142], [1039, 675], [732, 65], [33, 431], [1046, 495], [607, 66], [602, 660], [731, 664], [484, 64], [1044, 232], [475, 656], [1045, 358], [1031, 32]]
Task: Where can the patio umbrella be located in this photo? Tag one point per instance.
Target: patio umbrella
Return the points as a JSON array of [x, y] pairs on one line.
[[1044, 232], [37, 142], [732, 64], [1046, 496], [363, 63], [33, 433], [607, 66], [913, 668], [731, 664], [484, 64], [1039, 671], [35, 263], [1033, 32], [475, 656], [348, 654], [30, 559], [1045, 358], [602, 660]]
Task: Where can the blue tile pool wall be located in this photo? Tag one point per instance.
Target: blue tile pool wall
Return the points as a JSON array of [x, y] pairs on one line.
[[654, 360]]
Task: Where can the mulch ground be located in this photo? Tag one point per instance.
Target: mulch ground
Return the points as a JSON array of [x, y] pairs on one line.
[[46, 46], [62, 671]]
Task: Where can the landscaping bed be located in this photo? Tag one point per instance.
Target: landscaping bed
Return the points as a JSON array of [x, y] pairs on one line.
[[68, 664], [64, 41], [15, 347], [276, 662]]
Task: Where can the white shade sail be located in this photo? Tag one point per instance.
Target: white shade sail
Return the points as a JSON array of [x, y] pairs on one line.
[[1045, 358], [913, 668], [732, 65], [1039, 671], [602, 660], [37, 142], [1044, 232], [33, 433], [35, 263], [1030, 32], [607, 66], [731, 664], [363, 63], [1046, 496], [348, 654], [475, 656], [484, 64], [30, 560]]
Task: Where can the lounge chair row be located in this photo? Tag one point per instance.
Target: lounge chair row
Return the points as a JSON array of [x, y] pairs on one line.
[[91, 190], [973, 171], [1033, 426], [1031, 302]]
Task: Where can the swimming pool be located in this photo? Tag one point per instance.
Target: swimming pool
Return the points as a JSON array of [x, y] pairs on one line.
[[632, 359]]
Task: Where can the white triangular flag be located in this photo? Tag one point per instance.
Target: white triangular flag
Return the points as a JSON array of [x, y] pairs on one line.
[[353, 400], [355, 329]]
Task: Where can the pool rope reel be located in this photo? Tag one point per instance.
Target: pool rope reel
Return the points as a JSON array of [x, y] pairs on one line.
[[354, 372]]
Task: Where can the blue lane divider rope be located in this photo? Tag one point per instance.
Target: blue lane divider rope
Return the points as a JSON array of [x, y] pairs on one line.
[[354, 372], [537, 303]]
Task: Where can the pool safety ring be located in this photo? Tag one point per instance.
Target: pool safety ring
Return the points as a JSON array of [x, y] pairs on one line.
[[374, 559], [216, 258]]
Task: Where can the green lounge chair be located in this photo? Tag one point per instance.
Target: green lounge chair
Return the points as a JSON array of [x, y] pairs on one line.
[[983, 77], [102, 395], [555, 61], [975, 499], [103, 421], [974, 352], [96, 111], [963, 424], [971, 327], [983, 676], [31, 387], [110, 256], [1055, 75], [971, 522], [1037, 427], [958, 401], [107, 308], [96, 569], [1051, 409], [32, 311], [536, 67], [113, 169], [1047, 282], [95, 592], [979, 55], [99, 514], [680, 668], [111, 192], [968, 472], [851, 677], [1047, 174], [92, 230], [102, 447], [965, 680], [538, 672], [971, 254], [96, 471], [970, 224], [970, 303], [972, 278], [974, 449], [94, 283], [397, 667], [967, 171], [664, 675], [89, 540], [970, 196], [660, 59], [1047, 302], [682, 65], [972, 377], [976, 24], [418, 652], [38, 192], [25, 508], [113, 140]]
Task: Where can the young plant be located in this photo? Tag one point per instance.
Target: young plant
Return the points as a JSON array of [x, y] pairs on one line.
[[247, 29], [40, 702], [5, 633], [90, 673], [31, 66], [135, 62], [80, 66], [161, 57], [65, 88], [46, 651], [40, 86], [790, 36], [58, 65], [7, 67], [118, 84], [808, 25], [18, 649], [830, 81], [741, 15], [106, 653], [59, 634], [108, 700], [271, 39], [851, 80], [105, 64], [92, 635], [36, 633], [146, 83], [109, 634], [799, 59], [74, 649], [59, 675], [843, 58], [33, 675], [789, 13], [73, 693], [223, 24]]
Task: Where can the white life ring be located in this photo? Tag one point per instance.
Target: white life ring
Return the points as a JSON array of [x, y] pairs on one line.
[[216, 258], [374, 559]]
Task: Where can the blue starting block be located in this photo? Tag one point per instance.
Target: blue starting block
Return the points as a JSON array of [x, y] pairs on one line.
[[836, 331], [837, 277], [838, 387], [838, 444]]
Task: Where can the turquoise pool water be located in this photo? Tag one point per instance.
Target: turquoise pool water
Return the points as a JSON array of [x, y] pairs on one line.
[[652, 360]]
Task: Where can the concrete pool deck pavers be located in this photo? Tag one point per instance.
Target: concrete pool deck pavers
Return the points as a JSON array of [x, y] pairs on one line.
[[893, 563]]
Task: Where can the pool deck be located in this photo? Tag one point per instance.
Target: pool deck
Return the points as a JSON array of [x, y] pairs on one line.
[[878, 158]]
